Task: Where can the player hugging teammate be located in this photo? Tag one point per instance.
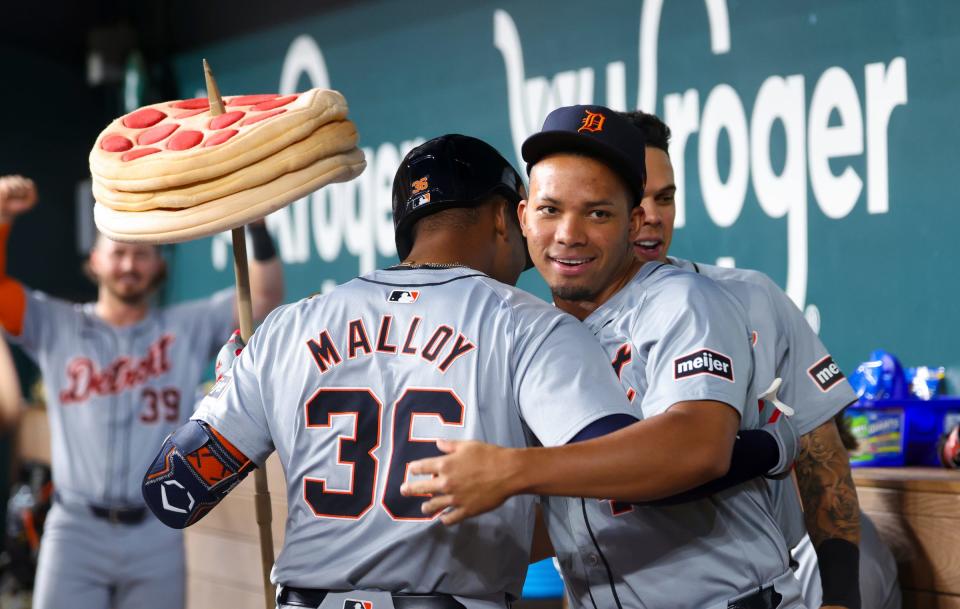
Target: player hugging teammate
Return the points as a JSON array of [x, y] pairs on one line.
[[639, 386]]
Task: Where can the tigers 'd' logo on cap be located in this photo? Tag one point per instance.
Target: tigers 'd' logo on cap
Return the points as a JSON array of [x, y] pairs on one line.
[[592, 121], [403, 296], [355, 604], [704, 361], [825, 373]]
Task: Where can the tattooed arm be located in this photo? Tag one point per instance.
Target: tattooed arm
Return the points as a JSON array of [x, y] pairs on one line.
[[831, 512]]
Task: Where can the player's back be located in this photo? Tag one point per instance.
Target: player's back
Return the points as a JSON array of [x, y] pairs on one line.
[[358, 383]]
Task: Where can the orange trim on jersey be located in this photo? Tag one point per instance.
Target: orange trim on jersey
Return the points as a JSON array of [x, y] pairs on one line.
[[13, 298], [233, 450]]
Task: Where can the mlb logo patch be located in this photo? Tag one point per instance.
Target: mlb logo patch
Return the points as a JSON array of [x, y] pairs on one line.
[[421, 200], [403, 296], [355, 604]]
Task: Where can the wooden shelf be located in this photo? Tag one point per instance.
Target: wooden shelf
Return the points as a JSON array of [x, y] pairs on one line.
[[917, 513], [929, 479]]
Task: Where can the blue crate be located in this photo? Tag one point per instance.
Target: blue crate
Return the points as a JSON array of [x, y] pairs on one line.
[[900, 432]]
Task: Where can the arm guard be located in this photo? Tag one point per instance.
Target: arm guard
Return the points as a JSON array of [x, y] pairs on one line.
[[194, 471]]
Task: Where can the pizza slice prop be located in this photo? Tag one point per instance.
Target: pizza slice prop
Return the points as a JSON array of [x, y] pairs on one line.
[[176, 171]]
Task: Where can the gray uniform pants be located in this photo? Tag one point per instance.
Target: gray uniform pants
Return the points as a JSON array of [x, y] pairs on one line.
[[91, 563]]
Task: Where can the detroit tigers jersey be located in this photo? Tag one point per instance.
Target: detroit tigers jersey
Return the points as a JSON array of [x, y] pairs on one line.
[[812, 384], [351, 386], [114, 393], [672, 336]]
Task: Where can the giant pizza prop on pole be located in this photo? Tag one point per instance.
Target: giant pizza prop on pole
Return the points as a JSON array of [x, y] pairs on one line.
[[174, 171], [192, 168]]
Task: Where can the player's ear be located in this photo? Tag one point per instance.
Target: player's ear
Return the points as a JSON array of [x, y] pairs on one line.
[[92, 263], [521, 216], [500, 220], [636, 222]]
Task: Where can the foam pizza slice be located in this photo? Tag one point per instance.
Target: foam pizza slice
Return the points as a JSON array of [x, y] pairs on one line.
[[176, 143], [173, 226], [330, 139]]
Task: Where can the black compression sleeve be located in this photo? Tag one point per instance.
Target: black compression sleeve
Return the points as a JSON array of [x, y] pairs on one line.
[[839, 572], [755, 452], [603, 426], [261, 242]]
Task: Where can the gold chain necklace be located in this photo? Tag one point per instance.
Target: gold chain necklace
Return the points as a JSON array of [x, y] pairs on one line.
[[428, 265]]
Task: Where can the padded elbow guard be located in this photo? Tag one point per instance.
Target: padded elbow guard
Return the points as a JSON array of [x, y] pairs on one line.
[[194, 471]]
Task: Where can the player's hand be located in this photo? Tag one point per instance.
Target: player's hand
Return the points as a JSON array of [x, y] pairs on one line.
[[228, 354], [471, 479], [17, 195]]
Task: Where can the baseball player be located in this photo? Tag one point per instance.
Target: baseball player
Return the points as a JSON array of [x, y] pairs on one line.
[[679, 344], [351, 386], [372, 378], [811, 383], [119, 376]]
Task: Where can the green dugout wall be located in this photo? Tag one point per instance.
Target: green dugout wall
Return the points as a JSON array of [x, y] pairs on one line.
[[815, 141]]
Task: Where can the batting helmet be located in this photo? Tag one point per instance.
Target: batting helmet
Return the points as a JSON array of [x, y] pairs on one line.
[[448, 171]]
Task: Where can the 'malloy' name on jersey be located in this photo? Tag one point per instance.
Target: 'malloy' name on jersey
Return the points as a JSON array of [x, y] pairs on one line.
[[430, 345], [703, 361]]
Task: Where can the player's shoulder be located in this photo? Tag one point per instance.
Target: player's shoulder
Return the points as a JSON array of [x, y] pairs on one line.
[[221, 298], [748, 276], [748, 285], [669, 282], [39, 302], [526, 309]]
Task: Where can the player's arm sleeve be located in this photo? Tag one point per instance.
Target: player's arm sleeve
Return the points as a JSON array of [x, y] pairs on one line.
[[207, 457], [45, 323], [701, 350], [755, 452], [812, 382], [13, 298], [237, 405], [564, 381]]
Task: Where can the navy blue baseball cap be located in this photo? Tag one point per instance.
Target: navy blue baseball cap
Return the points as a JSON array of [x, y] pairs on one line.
[[595, 131]]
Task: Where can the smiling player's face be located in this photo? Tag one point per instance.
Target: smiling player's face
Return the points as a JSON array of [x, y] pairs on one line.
[[659, 209], [580, 227], [128, 271]]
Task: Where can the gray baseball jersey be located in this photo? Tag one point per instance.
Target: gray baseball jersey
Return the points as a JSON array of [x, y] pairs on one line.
[[113, 395], [812, 384], [351, 386], [674, 336]]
